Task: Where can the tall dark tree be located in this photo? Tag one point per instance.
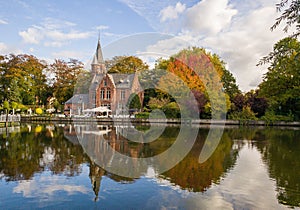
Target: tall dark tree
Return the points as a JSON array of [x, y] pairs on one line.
[[257, 104], [238, 102]]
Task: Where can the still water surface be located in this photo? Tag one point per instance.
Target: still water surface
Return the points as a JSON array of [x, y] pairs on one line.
[[48, 167]]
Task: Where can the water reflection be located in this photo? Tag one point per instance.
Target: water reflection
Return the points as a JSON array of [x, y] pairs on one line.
[[281, 152], [36, 149], [251, 167]]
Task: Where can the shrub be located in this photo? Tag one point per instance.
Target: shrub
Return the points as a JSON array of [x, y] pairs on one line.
[[171, 110], [142, 115], [38, 111], [245, 114], [270, 117]]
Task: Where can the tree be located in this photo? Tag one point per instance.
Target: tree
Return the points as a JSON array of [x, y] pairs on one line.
[[125, 64], [199, 71], [257, 104], [66, 75], [84, 80], [156, 103], [281, 84], [134, 102], [238, 102], [22, 79], [290, 14], [229, 84], [171, 110]]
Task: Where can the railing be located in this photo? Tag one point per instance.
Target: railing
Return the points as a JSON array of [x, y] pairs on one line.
[[10, 129], [10, 118]]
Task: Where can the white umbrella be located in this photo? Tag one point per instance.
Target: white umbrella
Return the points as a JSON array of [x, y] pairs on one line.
[[101, 109]]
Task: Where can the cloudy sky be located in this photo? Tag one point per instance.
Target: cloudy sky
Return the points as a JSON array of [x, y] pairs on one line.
[[237, 30]]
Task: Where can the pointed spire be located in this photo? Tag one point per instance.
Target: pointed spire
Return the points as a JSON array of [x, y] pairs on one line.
[[95, 60], [98, 64], [99, 52]]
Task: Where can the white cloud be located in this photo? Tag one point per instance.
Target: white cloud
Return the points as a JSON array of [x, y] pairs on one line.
[[32, 35], [52, 23], [168, 47], [3, 22], [45, 187], [53, 32], [245, 43], [209, 17], [247, 176], [171, 12], [61, 36]]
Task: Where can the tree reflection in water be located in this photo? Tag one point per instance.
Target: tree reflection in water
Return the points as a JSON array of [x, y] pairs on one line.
[[280, 150], [38, 148]]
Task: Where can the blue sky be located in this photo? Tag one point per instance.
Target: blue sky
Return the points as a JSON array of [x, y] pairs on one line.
[[237, 30]]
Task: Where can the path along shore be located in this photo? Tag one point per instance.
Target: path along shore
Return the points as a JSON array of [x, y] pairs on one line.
[[28, 119]]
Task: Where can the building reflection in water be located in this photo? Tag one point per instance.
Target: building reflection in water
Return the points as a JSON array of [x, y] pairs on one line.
[[189, 174]]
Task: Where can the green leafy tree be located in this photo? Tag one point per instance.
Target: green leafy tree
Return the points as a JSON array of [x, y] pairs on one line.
[[171, 110], [290, 10], [22, 79], [281, 84], [125, 64], [134, 102], [157, 103], [229, 84]]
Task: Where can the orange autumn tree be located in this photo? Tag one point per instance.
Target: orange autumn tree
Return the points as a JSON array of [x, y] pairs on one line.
[[199, 72]]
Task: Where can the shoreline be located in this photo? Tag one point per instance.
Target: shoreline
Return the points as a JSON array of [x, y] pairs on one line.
[[28, 119]]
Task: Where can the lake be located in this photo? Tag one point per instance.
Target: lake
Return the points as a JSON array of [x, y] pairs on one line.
[[127, 167]]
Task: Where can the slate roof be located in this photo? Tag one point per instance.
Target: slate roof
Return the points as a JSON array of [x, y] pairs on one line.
[[78, 98], [123, 80], [96, 81]]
